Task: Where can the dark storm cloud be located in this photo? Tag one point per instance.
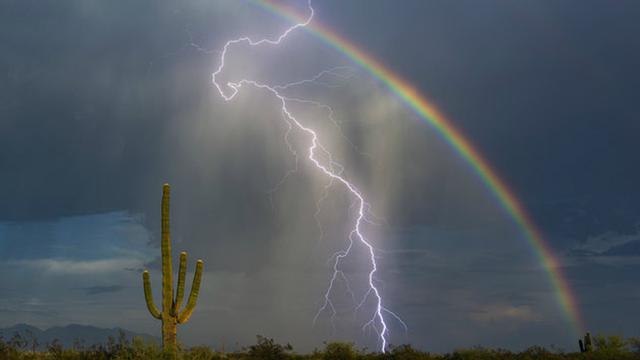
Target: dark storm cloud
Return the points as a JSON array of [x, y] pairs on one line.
[[631, 248], [102, 102], [97, 290], [72, 116], [545, 89], [95, 103]]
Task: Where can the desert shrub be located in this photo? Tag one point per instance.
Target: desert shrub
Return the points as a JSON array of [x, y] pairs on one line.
[[7, 351], [605, 348], [202, 353], [137, 349], [536, 352], [268, 349], [406, 352], [634, 344], [340, 351], [480, 353], [611, 344]]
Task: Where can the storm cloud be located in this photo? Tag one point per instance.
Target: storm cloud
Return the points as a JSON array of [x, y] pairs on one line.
[[102, 102]]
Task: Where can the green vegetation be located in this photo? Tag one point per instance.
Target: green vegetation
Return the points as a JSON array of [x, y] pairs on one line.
[[171, 315], [21, 348]]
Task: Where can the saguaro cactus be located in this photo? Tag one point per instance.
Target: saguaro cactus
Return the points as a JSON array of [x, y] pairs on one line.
[[171, 315], [586, 346]]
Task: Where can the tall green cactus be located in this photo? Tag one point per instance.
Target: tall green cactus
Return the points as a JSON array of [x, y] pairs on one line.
[[171, 315]]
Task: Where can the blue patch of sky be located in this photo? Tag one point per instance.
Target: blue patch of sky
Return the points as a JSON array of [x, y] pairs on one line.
[[118, 234]]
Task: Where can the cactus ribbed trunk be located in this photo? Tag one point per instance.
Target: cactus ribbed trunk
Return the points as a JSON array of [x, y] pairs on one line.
[[169, 333], [169, 322], [171, 315]]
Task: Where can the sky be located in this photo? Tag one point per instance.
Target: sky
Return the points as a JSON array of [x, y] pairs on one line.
[[102, 102]]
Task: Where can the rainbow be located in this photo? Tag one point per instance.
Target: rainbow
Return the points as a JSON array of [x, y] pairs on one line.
[[446, 129]]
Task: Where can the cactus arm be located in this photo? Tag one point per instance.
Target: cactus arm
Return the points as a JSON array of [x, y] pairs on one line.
[[148, 296], [193, 296], [167, 275], [182, 272]]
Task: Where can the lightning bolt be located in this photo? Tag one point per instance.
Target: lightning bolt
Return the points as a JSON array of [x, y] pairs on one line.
[[332, 170]]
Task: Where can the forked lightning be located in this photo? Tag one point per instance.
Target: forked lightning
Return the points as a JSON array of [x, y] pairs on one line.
[[229, 90]]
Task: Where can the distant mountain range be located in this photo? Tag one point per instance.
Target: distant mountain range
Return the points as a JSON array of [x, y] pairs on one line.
[[69, 335]]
